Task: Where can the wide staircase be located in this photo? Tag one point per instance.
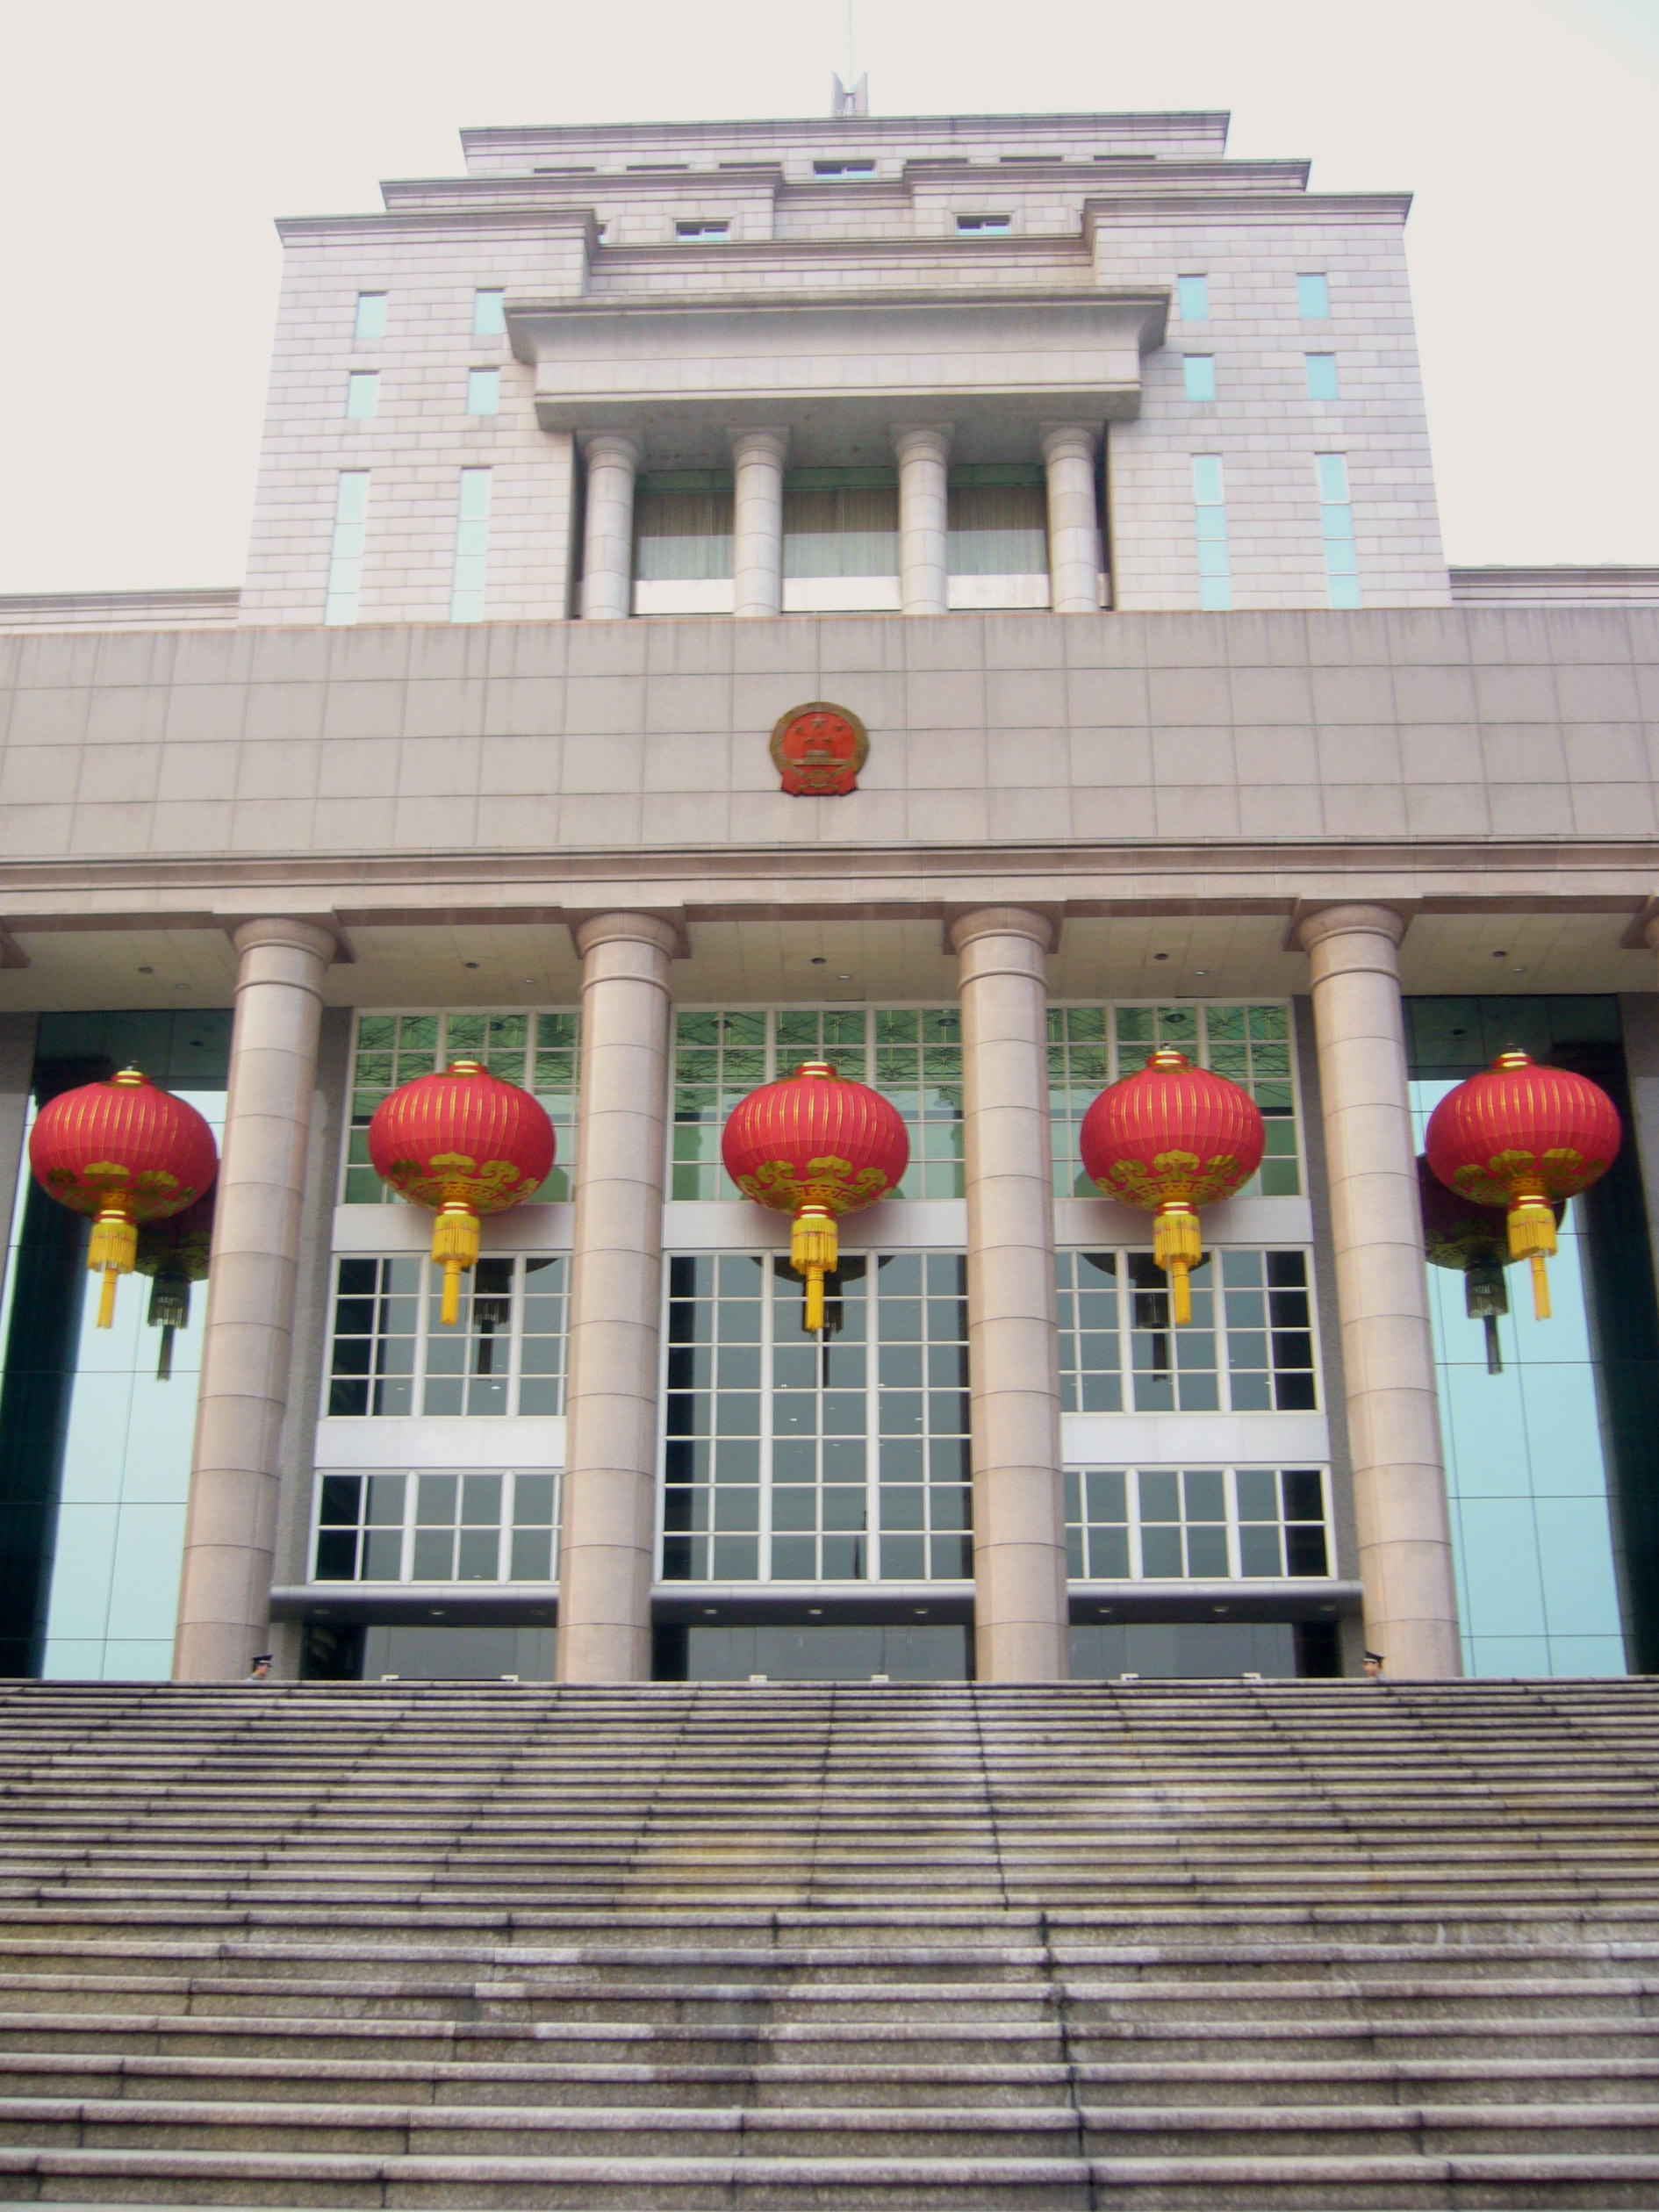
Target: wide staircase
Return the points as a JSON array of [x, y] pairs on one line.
[[1277, 1945]]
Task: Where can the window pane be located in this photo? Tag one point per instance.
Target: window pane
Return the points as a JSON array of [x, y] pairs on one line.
[[1192, 296], [1321, 376], [1206, 479], [1333, 476], [1199, 371], [371, 317], [488, 314], [362, 394], [482, 388], [1313, 298]]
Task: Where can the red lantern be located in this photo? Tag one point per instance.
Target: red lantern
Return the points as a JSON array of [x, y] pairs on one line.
[[464, 1142], [1469, 1240], [1526, 1138], [124, 1153], [815, 1148], [175, 1254], [1171, 1140]]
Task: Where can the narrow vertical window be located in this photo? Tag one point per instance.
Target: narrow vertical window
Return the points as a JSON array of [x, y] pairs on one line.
[[1192, 299], [1322, 383], [362, 395], [345, 555], [484, 388], [488, 314], [1198, 373], [1210, 520], [1336, 526], [371, 317], [1313, 299], [472, 547]]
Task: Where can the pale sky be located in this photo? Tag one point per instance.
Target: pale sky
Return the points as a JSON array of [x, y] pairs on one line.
[[145, 152]]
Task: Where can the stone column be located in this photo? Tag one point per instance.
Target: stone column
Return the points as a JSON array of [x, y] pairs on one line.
[[616, 1268], [1019, 1518], [924, 458], [758, 459], [230, 1529], [607, 543], [1394, 1433], [1074, 519]]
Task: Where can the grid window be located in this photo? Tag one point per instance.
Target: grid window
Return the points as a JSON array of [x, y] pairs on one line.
[[708, 229], [538, 1052], [997, 520], [1249, 1347], [683, 526], [370, 326], [791, 1458], [913, 1055], [362, 395], [1321, 376], [489, 314], [1336, 528], [1198, 372], [1313, 298], [345, 552], [840, 522], [472, 547], [484, 392], [1209, 524], [390, 1353], [843, 169], [1209, 1524], [1091, 1046], [1091, 1360], [438, 1527], [1192, 299], [985, 225]]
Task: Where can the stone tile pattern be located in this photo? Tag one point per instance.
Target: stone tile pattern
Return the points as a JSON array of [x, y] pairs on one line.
[[988, 731], [1151, 191]]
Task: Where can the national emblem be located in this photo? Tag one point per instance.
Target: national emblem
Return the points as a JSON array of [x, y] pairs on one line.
[[818, 750]]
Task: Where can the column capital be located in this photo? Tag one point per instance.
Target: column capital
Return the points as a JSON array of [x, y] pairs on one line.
[[971, 924], [665, 931], [1320, 925], [923, 437], [615, 446], [767, 444], [308, 935], [1059, 440]]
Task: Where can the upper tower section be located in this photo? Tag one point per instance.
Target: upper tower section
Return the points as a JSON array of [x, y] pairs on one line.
[[874, 311]]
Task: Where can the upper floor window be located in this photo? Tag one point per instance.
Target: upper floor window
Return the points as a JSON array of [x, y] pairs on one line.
[[1192, 299], [345, 552], [1322, 379], [1198, 371], [841, 523], [371, 317], [1313, 298], [683, 526], [985, 225], [1336, 529], [484, 388], [488, 314], [843, 169], [706, 228], [1209, 522], [998, 521], [362, 395]]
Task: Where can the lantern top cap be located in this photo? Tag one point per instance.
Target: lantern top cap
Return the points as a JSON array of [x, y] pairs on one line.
[[820, 1071], [466, 1068], [1513, 1058], [1167, 1056], [131, 1078]]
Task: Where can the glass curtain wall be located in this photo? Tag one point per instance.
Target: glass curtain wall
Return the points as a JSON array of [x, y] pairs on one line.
[[1550, 1465], [94, 1448]]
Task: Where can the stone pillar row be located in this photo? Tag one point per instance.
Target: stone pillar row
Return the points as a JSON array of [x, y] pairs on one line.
[[1019, 1550], [924, 454]]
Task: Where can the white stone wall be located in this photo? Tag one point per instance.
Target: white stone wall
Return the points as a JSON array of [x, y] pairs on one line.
[[1172, 207], [1262, 422]]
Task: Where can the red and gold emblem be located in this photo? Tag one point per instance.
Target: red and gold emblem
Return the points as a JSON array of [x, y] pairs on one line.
[[819, 750]]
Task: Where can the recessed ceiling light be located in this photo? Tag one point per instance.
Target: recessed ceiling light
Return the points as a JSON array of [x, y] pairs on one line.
[[472, 963], [1160, 955], [146, 971], [1501, 955], [526, 979], [818, 960], [180, 987], [844, 979], [1201, 971]]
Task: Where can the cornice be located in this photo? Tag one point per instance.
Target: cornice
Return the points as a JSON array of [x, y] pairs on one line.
[[1280, 207], [903, 880], [1137, 299], [1149, 124]]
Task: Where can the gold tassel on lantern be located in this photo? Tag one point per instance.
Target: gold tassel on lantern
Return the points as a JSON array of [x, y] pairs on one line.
[[455, 1249], [1532, 1235], [1177, 1246], [813, 1253], [113, 1249]]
